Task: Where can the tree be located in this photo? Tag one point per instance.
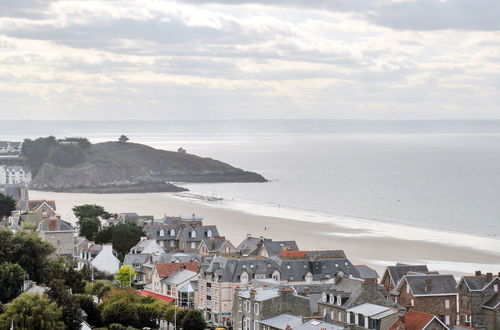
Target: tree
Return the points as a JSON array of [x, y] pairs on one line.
[[98, 288], [125, 275], [60, 293], [28, 251], [193, 320], [63, 269], [89, 228], [89, 211], [7, 205], [123, 138], [123, 237], [11, 281], [32, 312], [121, 312], [91, 309]]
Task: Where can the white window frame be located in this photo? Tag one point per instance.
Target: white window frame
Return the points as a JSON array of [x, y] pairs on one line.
[[256, 308], [447, 319], [447, 303]]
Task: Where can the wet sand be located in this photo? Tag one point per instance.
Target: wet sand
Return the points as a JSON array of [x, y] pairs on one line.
[[361, 246]]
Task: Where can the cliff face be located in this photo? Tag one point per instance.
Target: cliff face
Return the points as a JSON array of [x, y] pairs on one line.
[[114, 164]]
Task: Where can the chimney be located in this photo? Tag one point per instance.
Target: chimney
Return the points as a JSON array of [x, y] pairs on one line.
[[428, 284], [489, 277], [288, 327], [478, 273]]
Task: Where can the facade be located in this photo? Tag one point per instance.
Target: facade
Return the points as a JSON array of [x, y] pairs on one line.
[[345, 293], [430, 293], [42, 208], [210, 247], [106, 261], [476, 298], [14, 175], [59, 233], [190, 237], [169, 278], [252, 306]]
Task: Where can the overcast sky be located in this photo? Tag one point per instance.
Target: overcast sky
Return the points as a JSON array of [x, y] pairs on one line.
[[373, 59]]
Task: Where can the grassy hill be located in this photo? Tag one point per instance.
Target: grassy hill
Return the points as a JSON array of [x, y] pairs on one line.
[[77, 165]]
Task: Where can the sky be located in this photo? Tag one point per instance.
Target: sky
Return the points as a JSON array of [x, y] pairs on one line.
[[227, 59]]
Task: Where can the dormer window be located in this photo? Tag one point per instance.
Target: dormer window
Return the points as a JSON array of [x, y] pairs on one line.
[[162, 233], [339, 301], [172, 232], [209, 233], [193, 234]]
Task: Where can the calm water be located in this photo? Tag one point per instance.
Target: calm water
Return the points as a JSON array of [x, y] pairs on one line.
[[445, 181]]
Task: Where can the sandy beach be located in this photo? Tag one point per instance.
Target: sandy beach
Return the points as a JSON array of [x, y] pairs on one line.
[[370, 246]]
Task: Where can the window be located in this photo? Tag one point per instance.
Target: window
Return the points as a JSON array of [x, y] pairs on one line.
[[447, 319], [172, 243], [162, 233], [412, 302], [209, 233], [447, 303], [172, 232], [332, 315], [256, 309], [249, 306], [193, 245], [495, 287], [193, 234], [407, 288], [256, 325], [339, 301], [324, 312]]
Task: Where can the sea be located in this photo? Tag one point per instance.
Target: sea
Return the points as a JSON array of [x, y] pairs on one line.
[[437, 175]]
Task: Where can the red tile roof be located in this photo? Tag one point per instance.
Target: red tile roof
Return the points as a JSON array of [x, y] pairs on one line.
[[413, 320], [168, 268], [147, 293], [292, 254]]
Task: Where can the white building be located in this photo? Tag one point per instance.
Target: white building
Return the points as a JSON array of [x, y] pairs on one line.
[[7, 147], [106, 261], [14, 175]]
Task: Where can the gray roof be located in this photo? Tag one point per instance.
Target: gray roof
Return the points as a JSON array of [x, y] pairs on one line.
[[201, 233], [4, 144], [153, 231], [214, 244], [281, 321], [179, 277], [296, 270], [371, 310], [366, 272], [355, 292], [178, 257], [399, 270], [316, 325], [250, 245], [494, 302], [274, 248], [136, 259], [440, 284], [229, 269], [477, 283], [261, 294]]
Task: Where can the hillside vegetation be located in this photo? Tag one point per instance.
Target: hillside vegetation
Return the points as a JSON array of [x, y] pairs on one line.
[[78, 165]]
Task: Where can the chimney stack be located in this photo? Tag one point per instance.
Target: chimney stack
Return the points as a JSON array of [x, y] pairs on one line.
[[478, 273], [489, 277], [428, 284]]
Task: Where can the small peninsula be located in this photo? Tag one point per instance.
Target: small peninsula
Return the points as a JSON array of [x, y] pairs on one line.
[[76, 165]]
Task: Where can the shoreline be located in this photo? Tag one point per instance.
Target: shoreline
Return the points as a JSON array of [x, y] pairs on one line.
[[371, 246]]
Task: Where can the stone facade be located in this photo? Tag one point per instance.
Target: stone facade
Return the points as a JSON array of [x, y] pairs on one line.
[[63, 241], [252, 306]]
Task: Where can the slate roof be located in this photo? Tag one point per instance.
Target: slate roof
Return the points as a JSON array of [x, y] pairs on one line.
[[229, 269], [494, 302], [261, 294], [214, 244], [33, 205], [477, 283], [153, 231], [54, 225], [320, 268], [355, 292], [370, 310], [399, 270], [166, 269], [250, 245], [201, 233], [146, 246], [281, 321], [274, 248], [178, 257], [136, 259], [440, 284], [366, 272]]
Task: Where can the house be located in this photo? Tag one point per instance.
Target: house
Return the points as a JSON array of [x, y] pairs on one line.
[[414, 320], [476, 297], [142, 264], [346, 293], [14, 174], [87, 252], [146, 245], [42, 208], [253, 305], [265, 247], [59, 233], [393, 274], [169, 278], [106, 261], [139, 220], [435, 294], [492, 312], [210, 247], [219, 280], [8, 147], [372, 316]]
